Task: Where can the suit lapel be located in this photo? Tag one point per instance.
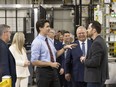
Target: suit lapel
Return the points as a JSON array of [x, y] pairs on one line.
[[88, 46], [78, 48]]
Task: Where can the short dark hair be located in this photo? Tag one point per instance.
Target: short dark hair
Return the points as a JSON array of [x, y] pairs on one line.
[[97, 26], [66, 32], [40, 24]]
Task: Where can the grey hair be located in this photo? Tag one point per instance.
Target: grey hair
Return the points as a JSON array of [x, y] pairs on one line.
[[3, 28], [81, 27], [53, 30]]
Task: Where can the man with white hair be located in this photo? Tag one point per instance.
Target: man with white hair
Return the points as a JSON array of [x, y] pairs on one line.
[[74, 67]]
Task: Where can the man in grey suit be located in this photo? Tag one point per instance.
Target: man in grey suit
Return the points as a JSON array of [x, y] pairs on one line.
[[96, 62]]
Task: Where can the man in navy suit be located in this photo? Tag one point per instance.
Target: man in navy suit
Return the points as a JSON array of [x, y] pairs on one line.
[[7, 62], [66, 41], [74, 67]]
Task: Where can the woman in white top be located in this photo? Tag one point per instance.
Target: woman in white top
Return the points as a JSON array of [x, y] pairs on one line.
[[19, 52]]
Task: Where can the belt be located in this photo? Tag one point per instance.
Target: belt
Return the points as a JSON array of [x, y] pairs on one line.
[[48, 67]]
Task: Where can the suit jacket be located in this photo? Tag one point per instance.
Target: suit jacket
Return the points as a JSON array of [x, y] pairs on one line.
[[73, 64], [7, 62], [96, 64], [64, 58], [58, 45]]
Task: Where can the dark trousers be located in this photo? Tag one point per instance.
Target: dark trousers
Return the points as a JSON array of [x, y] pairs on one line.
[[63, 81], [95, 84], [60, 78], [47, 77], [66, 83], [79, 84]]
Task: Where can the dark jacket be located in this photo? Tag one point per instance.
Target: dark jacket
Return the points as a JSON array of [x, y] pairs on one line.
[[7, 62], [96, 64], [73, 64], [58, 45]]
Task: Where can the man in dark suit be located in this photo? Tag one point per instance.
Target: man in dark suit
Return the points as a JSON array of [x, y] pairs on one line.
[[7, 62], [66, 41], [74, 68], [96, 62]]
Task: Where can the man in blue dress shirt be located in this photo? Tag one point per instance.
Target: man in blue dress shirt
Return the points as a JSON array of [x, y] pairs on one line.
[[43, 55]]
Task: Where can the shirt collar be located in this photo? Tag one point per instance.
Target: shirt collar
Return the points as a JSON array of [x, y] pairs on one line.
[[42, 37], [83, 42], [63, 43], [50, 39]]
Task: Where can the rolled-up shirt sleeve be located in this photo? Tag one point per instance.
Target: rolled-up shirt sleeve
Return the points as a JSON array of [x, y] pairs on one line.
[[35, 51]]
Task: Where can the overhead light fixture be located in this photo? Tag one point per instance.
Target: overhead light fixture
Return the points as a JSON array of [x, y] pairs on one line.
[[13, 6], [18, 6]]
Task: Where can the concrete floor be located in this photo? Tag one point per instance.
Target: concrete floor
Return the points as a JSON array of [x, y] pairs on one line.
[[111, 85], [32, 86], [106, 86]]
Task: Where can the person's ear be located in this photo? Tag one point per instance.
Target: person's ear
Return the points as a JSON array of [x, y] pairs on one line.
[[94, 30]]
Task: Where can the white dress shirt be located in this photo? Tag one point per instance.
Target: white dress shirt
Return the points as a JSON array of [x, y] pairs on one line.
[[86, 44]]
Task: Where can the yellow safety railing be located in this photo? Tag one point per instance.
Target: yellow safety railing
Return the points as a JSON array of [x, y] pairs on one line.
[[6, 81]]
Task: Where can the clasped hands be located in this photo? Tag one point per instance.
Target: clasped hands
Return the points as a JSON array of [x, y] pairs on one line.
[[82, 59], [26, 63]]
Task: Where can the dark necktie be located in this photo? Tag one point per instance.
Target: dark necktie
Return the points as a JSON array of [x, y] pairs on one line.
[[83, 48], [65, 53], [50, 51]]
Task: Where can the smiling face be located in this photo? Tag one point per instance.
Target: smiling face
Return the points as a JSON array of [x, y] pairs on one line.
[[81, 33], [66, 37]]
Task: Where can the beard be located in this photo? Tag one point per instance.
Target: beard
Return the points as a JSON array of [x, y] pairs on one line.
[[89, 35]]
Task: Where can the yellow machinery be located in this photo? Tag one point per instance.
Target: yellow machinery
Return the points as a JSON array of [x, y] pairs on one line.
[[115, 45], [6, 82]]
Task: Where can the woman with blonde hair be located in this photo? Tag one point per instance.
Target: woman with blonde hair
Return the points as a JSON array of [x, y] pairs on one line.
[[19, 52]]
